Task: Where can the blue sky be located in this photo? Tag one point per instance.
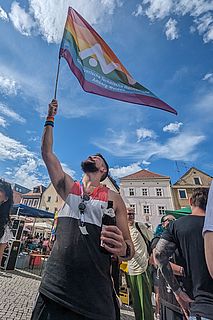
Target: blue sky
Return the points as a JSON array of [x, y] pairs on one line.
[[166, 45]]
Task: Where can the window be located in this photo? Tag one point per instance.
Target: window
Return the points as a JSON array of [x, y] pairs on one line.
[[25, 201], [146, 209], [36, 190], [133, 206], [182, 194], [56, 199], [161, 210], [30, 202], [144, 192], [48, 198], [131, 191], [47, 208], [35, 203], [159, 192], [197, 181]]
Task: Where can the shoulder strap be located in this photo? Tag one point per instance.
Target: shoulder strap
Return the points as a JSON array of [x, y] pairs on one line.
[[146, 240]]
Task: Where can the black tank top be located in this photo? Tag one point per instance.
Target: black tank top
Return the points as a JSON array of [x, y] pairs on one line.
[[77, 273]]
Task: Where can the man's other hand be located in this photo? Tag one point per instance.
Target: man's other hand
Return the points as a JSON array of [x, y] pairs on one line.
[[113, 240]]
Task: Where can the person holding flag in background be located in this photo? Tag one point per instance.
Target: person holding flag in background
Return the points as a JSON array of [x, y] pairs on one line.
[[77, 282]]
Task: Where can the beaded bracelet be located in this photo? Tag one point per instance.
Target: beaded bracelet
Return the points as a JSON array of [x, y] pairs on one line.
[[49, 121]]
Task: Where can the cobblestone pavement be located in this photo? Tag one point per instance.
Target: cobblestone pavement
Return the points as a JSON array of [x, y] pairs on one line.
[[18, 290]]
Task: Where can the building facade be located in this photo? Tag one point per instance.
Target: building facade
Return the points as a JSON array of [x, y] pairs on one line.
[[183, 188], [18, 191], [33, 198], [50, 200], [149, 194], [111, 184]]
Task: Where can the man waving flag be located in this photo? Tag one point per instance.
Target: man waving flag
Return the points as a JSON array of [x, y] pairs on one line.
[[98, 69]]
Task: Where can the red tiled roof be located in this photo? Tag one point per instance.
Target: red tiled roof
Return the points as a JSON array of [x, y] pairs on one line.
[[144, 174]]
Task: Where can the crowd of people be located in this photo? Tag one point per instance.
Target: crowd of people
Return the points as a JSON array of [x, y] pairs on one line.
[[175, 263], [37, 243]]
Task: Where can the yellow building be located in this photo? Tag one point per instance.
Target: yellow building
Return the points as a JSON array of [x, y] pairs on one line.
[[50, 200], [183, 188], [110, 183]]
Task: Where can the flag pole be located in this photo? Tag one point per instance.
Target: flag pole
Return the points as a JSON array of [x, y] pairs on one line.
[[56, 81]]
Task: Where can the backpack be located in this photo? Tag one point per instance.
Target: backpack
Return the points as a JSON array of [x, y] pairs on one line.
[[146, 240]]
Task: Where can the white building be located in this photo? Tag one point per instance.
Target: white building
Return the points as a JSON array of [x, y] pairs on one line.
[[149, 194]]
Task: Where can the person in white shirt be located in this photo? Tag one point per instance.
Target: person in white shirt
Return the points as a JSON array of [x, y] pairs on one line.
[[139, 277]]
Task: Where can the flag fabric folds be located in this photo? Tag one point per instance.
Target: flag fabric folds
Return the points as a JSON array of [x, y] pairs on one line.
[[98, 69]]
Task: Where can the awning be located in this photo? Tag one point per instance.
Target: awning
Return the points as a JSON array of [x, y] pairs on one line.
[[39, 225], [23, 210], [180, 212]]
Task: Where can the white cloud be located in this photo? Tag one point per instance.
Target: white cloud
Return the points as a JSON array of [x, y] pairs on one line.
[[173, 127], [171, 29], [203, 104], [157, 9], [204, 25], [199, 10], [27, 165], [172, 149], [27, 174], [143, 133], [4, 109], [26, 169], [208, 77], [12, 149], [49, 16], [8, 86], [119, 172], [3, 122], [181, 147], [146, 163], [21, 20], [138, 11], [3, 14], [34, 139]]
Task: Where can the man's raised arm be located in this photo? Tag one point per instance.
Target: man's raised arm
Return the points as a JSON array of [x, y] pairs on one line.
[[60, 180]]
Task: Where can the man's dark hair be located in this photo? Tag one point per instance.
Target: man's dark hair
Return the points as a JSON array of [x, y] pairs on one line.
[[6, 188], [199, 197], [106, 164]]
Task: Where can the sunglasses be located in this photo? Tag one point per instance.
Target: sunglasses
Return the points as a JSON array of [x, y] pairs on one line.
[[169, 220]]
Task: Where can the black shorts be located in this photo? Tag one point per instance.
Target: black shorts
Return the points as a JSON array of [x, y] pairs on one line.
[[47, 309]]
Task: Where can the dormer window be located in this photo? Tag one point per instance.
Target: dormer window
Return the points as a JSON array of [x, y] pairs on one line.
[[197, 181], [36, 190], [182, 193]]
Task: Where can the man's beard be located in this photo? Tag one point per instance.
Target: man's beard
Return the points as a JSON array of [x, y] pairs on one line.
[[88, 166]]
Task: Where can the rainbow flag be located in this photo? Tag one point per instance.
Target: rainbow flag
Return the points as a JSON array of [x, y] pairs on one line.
[[98, 69]]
